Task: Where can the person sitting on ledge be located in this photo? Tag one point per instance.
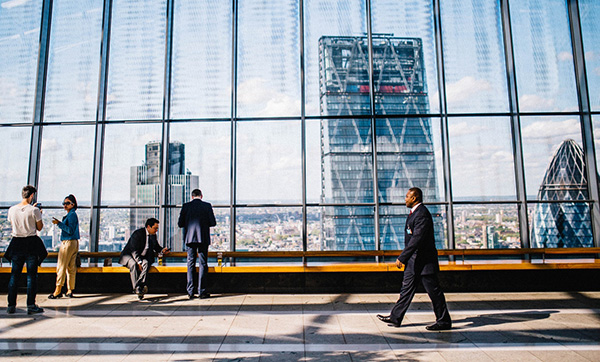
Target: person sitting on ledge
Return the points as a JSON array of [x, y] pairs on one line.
[[138, 255]]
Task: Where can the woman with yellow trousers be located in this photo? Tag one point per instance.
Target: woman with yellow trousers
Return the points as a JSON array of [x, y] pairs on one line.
[[69, 237]]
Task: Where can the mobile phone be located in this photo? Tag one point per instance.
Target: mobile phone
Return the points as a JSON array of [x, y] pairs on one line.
[[39, 205]]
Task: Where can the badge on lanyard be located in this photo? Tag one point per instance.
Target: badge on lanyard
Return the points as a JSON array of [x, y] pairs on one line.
[[408, 231]]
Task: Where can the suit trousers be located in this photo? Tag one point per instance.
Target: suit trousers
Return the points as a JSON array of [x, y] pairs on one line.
[[433, 289], [199, 251], [138, 278], [15, 274], [65, 264]]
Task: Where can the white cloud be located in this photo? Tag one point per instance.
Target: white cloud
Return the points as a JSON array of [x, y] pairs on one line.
[[465, 89], [457, 129], [539, 132], [565, 56], [533, 102], [13, 3], [257, 93], [597, 70], [590, 56], [50, 144]]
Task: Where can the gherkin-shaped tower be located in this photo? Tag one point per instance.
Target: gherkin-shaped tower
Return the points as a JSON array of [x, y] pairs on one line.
[[565, 224]]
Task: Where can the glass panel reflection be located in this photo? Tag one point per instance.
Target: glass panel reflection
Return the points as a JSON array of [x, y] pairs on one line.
[[269, 162], [50, 234], [268, 229], [206, 157], [474, 56], [552, 152], [74, 61], [596, 125], [560, 225], [486, 226], [481, 159], [19, 46], [219, 234], [589, 12], [268, 58], [132, 164], [341, 228], [413, 53], [117, 225], [137, 60], [201, 84], [543, 55], [392, 224], [66, 164], [14, 163]]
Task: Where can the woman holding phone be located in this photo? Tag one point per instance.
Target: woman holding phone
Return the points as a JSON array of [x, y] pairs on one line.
[[65, 265]]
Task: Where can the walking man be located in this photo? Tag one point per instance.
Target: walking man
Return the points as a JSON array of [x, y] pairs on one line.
[[421, 265], [196, 219], [25, 248]]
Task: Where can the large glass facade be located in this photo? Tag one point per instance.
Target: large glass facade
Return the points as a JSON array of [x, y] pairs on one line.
[[332, 108]]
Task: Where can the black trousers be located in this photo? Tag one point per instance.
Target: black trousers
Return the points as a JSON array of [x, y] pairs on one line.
[[197, 251], [433, 289]]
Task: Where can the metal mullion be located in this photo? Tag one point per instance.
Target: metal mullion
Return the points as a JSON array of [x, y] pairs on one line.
[[100, 127], [303, 135], [445, 138], [233, 150], [373, 127], [517, 142], [585, 114], [40, 93], [166, 115]]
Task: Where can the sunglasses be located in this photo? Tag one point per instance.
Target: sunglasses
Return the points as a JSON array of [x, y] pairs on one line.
[[67, 203]]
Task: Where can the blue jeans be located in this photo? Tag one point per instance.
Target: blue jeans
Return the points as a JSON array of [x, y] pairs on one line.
[[32, 270], [193, 252]]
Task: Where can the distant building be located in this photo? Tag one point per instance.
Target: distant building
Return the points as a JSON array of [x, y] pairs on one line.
[[405, 153], [145, 189], [564, 224]]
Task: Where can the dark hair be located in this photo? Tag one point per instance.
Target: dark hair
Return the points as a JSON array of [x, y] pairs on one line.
[[72, 198], [28, 191], [151, 222], [196, 193], [417, 192]]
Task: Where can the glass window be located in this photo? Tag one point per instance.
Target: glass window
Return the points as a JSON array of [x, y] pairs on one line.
[[392, 223], [201, 80], [589, 11], [117, 225], [553, 154], [50, 234], [481, 158], [66, 164], [486, 226], [132, 164], [409, 154], [268, 58], [19, 46], [336, 53], [543, 56], [474, 63], [268, 229], [269, 162], [596, 125], [341, 228], [339, 161], [560, 225], [137, 60], [206, 162], [74, 61], [404, 58], [14, 163], [219, 234]]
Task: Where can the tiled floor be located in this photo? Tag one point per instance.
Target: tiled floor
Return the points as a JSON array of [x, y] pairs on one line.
[[561, 327]]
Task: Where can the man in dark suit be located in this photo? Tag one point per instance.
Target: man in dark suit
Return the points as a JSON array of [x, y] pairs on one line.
[[138, 255], [196, 219], [421, 265]]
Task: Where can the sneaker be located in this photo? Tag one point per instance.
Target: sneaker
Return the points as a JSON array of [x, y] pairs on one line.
[[11, 310], [34, 309]]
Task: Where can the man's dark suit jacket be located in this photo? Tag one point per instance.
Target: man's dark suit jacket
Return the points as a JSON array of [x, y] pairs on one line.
[[135, 246], [196, 218], [419, 254]]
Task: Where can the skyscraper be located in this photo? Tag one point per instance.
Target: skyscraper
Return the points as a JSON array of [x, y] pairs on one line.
[[564, 224], [405, 153], [145, 188]]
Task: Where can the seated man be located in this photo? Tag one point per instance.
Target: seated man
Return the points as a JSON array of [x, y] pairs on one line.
[[138, 255]]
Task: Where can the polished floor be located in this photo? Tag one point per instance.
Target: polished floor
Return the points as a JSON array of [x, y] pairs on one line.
[[325, 327]]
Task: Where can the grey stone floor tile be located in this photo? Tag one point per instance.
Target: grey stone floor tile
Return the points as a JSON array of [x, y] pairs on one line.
[[281, 356], [429, 356], [192, 357], [561, 356], [465, 356], [327, 357], [237, 357], [511, 356], [589, 355]]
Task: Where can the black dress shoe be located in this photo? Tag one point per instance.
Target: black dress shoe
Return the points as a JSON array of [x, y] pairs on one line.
[[204, 295], [387, 319], [52, 296], [191, 296], [439, 327]]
